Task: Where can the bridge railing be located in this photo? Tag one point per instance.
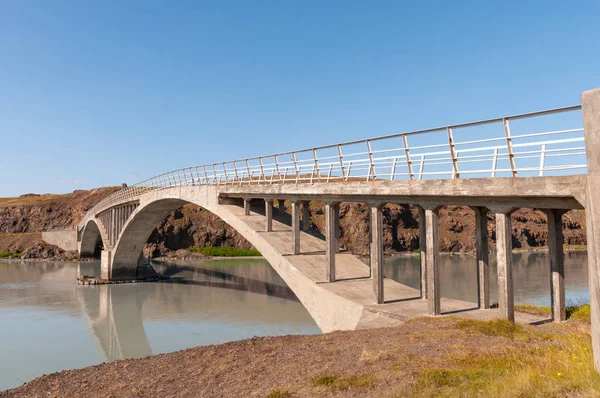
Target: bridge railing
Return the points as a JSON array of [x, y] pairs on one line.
[[542, 143]]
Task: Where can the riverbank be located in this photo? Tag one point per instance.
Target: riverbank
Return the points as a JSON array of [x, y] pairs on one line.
[[423, 357]]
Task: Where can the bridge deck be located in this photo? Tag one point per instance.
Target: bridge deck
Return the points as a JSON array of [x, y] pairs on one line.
[[353, 283]]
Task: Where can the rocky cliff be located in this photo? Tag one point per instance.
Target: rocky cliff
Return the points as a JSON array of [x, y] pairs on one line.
[[23, 219]]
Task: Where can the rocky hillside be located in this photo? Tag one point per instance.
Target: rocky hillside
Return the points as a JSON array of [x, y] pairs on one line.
[[23, 219]]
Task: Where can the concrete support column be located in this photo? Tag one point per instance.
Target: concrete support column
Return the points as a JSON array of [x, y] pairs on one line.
[[376, 248], [269, 215], [280, 206], [337, 227], [504, 258], [423, 252], [296, 227], [557, 265], [590, 103], [332, 214], [247, 206], [106, 264], [432, 243], [482, 248], [305, 216], [113, 228]]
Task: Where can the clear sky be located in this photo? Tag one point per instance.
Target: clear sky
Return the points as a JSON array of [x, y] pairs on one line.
[[100, 93]]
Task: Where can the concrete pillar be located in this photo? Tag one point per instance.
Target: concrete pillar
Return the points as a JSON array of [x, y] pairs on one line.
[[296, 227], [376, 248], [423, 252], [305, 216], [280, 206], [113, 229], [331, 217], [247, 206], [433, 267], [504, 258], [106, 264], [269, 215], [590, 102], [482, 248], [337, 227], [557, 265]]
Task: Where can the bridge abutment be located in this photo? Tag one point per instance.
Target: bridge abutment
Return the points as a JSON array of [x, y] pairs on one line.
[[590, 102]]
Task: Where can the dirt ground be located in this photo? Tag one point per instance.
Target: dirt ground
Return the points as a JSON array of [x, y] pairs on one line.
[[388, 362]]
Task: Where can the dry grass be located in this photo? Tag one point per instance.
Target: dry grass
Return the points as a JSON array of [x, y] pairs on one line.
[[559, 368]]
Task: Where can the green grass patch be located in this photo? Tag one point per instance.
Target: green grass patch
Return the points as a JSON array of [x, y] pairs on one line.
[[579, 313], [533, 309], [224, 251], [324, 381], [576, 312], [278, 393], [496, 327], [9, 255], [335, 383]]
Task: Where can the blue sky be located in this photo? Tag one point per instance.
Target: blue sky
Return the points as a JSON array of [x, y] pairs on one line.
[[100, 93]]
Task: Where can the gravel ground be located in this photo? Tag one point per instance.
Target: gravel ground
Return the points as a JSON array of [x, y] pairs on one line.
[[377, 363]]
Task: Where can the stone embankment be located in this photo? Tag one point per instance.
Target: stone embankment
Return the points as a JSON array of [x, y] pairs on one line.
[[23, 219]]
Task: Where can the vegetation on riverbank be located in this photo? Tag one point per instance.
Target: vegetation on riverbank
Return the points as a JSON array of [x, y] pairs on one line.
[[8, 255], [441, 357], [577, 312], [223, 251]]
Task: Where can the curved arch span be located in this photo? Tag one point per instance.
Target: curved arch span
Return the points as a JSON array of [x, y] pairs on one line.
[[330, 310], [91, 240]]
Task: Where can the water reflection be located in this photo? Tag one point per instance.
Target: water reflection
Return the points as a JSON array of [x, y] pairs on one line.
[[48, 323], [531, 274]]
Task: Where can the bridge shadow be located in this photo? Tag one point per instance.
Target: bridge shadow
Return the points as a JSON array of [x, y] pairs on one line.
[[402, 300], [225, 280], [459, 311]]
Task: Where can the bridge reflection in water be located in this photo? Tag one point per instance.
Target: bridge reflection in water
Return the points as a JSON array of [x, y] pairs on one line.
[[116, 313]]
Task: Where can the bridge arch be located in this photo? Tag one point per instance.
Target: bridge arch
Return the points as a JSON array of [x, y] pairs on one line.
[[329, 310], [92, 241]]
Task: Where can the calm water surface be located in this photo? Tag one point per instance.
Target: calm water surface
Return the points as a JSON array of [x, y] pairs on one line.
[[47, 323]]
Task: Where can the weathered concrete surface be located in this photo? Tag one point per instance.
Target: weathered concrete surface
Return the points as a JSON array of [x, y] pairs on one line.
[[590, 103], [564, 192], [433, 265], [66, 240]]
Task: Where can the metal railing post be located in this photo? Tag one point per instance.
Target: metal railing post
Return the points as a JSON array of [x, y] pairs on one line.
[[371, 163], [511, 156], [411, 176], [542, 160], [455, 173], [296, 166], [341, 158]]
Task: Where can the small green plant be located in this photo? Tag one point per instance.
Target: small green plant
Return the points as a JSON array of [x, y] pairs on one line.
[[417, 250], [224, 251], [324, 381]]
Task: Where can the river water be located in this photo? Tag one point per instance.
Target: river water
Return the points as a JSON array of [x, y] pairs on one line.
[[48, 323]]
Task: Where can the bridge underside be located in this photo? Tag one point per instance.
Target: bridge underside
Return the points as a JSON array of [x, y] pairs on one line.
[[338, 289]]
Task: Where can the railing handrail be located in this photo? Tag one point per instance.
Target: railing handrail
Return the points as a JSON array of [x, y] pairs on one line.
[[340, 166]]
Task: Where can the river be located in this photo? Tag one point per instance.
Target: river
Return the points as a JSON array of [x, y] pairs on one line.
[[48, 323]]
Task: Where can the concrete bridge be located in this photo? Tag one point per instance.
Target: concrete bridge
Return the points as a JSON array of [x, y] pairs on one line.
[[545, 160]]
